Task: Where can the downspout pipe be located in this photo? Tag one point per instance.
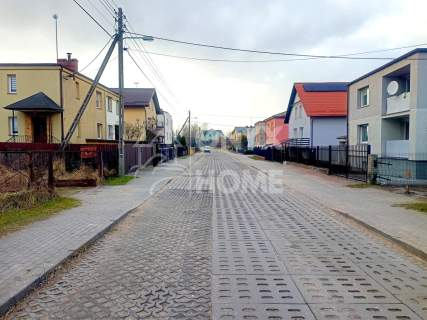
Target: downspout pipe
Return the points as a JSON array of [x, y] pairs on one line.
[[61, 97]]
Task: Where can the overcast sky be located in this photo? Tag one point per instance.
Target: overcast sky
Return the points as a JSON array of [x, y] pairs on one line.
[[222, 94]]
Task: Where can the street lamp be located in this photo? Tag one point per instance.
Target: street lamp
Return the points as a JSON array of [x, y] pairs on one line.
[[55, 17]]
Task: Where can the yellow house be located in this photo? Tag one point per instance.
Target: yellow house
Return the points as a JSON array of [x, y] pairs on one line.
[[38, 102], [141, 107]]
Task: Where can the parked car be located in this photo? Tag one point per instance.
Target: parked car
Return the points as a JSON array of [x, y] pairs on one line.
[[206, 149]]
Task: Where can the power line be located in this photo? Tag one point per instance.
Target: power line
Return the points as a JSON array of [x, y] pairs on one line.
[[145, 75], [96, 21], [198, 44], [107, 7], [97, 55], [101, 12]]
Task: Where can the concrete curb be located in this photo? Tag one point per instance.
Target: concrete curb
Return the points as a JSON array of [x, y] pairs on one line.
[[402, 244], [12, 301]]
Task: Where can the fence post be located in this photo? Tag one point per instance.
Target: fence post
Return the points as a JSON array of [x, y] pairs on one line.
[[347, 167], [100, 164], [330, 160], [50, 176], [30, 170]]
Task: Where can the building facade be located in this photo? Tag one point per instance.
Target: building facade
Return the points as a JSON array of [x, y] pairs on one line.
[[141, 108], [212, 137], [39, 101], [317, 113], [388, 108], [165, 127], [250, 133], [237, 136], [276, 131], [260, 134]]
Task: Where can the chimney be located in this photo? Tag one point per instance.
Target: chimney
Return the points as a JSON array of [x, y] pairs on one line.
[[69, 63]]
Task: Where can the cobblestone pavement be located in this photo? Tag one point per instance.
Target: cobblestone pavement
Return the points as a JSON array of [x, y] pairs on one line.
[[195, 250]]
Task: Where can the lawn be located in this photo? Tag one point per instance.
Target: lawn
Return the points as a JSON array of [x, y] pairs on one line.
[[15, 219], [417, 206], [256, 158], [360, 185], [117, 181]]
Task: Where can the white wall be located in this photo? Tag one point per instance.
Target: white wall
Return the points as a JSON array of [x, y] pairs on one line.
[[168, 128], [326, 130], [251, 137], [112, 117], [302, 120]]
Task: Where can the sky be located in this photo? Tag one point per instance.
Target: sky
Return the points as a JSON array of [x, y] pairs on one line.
[[220, 95]]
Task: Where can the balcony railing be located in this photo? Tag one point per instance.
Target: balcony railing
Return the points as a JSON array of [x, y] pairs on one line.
[[30, 139], [397, 148], [399, 103]]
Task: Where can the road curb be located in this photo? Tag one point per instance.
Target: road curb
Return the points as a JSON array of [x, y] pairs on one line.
[[402, 244], [22, 293]]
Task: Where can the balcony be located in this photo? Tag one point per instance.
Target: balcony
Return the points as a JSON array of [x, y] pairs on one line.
[[399, 103], [397, 148]]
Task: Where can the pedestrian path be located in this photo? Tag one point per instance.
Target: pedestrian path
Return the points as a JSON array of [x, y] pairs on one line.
[[27, 255]]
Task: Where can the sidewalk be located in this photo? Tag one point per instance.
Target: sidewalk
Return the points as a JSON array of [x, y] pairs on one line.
[[370, 206], [28, 255]]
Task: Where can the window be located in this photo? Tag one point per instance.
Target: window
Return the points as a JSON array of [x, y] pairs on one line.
[[295, 133], [109, 104], [77, 90], [363, 133], [296, 112], [98, 100], [363, 97], [13, 126], [117, 108], [110, 132], [11, 83], [301, 132], [99, 130]]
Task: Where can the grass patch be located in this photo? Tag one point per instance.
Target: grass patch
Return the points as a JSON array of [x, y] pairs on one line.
[[117, 181], [256, 158], [360, 185], [15, 219], [417, 206]]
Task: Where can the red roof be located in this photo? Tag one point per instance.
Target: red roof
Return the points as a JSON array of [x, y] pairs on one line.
[[322, 103]]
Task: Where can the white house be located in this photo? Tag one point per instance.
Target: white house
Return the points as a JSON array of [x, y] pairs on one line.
[[165, 127], [317, 113], [250, 134], [388, 108], [113, 110]]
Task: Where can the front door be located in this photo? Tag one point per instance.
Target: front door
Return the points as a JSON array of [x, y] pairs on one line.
[[40, 129]]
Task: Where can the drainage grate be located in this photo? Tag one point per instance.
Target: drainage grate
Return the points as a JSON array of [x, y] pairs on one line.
[[342, 289], [262, 312], [254, 289], [363, 311], [247, 264]]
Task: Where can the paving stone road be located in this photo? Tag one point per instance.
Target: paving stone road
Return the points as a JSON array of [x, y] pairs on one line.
[[208, 247]]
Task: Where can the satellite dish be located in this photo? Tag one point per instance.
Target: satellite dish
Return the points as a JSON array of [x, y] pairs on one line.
[[393, 88]]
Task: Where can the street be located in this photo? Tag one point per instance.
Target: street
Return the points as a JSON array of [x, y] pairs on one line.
[[225, 241]]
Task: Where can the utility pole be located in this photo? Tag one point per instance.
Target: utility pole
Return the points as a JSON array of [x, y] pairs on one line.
[[189, 131], [121, 146]]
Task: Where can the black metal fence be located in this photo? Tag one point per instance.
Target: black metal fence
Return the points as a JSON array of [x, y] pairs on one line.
[[410, 169], [342, 160]]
